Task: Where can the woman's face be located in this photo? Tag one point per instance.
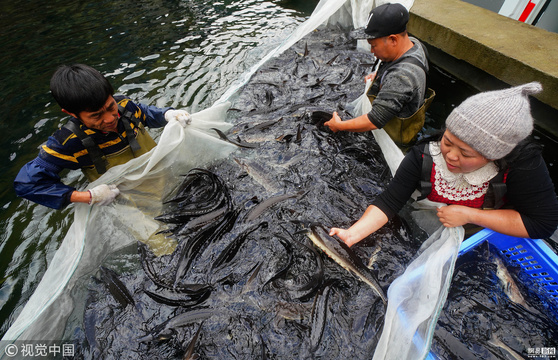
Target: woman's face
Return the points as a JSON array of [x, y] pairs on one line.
[[460, 157]]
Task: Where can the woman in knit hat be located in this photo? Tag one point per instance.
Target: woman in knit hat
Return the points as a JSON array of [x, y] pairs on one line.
[[484, 159]]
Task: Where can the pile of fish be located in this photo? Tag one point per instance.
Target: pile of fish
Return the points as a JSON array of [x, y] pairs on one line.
[[255, 274]]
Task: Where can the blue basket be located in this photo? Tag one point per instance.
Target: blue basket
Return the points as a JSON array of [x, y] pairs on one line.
[[534, 257]]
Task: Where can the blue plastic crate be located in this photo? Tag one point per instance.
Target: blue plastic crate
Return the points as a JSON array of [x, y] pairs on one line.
[[534, 257]]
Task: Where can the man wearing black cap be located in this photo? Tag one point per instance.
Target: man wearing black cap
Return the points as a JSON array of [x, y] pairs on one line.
[[398, 94]]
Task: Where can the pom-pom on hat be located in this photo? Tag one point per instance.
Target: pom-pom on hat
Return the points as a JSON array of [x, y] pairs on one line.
[[494, 122]]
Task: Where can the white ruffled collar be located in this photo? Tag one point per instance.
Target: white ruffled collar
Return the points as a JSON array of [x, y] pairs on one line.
[[475, 178]]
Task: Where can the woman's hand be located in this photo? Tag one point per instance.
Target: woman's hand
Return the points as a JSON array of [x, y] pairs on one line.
[[504, 221], [454, 215], [372, 219], [344, 235]]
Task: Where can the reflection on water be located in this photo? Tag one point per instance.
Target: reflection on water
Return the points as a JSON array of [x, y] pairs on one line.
[[166, 53]]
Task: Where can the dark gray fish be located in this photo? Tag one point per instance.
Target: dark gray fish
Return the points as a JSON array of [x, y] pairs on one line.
[[181, 319], [286, 137], [116, 287], [314, 98], [332, 59], [268, 98], [182, 188], [249, 283], [298, 134], [264, 125], [306, 290], [175, 298], [348, 76], [189, 353], [344, 256], [201, 240], [232, 249], [264, 205], [202, 220], [449, 341], [195, 187], [239, 144], [319, 317], [263, 352], [174, 217], [289, 250], [318, 83]]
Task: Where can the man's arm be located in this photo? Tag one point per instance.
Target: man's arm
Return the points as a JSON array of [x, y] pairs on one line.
[[504, 221], [37, 183], [154, 116], [358, 124]]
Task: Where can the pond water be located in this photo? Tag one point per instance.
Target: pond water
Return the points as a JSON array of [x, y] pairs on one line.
[[167, 53]]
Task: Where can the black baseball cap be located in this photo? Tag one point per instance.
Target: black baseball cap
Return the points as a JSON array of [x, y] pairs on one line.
[[384, 20]]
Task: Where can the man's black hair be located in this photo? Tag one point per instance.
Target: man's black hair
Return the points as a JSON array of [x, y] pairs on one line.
[[79, 87]]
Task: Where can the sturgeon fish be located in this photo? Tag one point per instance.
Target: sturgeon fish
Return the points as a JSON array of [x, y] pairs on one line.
[[116, 287], [509, 286], [261, 207], [496, 342], [341, 254]]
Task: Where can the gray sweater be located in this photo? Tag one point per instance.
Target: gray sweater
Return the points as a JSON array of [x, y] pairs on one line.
[[399, 87]]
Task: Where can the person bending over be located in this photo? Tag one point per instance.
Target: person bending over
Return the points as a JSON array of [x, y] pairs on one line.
[[484, 167], [398, 95], [103, 130]]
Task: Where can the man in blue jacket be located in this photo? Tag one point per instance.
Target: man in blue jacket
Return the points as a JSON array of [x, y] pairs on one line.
[[103, 131]]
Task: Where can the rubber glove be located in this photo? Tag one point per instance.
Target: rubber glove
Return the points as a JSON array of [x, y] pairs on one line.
[[103, 194], [182, 116]]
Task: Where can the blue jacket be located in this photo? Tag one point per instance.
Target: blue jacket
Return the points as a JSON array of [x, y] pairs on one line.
[[39, 179]]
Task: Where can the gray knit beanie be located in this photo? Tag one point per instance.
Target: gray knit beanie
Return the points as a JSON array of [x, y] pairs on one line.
[[494, 122]]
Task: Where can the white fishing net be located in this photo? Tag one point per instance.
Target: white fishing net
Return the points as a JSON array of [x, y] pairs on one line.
[[97, 231], [414, 299]]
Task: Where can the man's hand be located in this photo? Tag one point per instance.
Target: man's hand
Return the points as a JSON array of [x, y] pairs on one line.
[[370, 77], [182, 116], [334, 123], [103, 194]]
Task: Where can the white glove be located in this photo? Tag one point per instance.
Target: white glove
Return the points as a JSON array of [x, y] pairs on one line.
[[183, 117], [103, 194]]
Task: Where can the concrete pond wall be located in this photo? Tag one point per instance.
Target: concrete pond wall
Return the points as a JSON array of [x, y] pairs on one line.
[[490, 51]]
